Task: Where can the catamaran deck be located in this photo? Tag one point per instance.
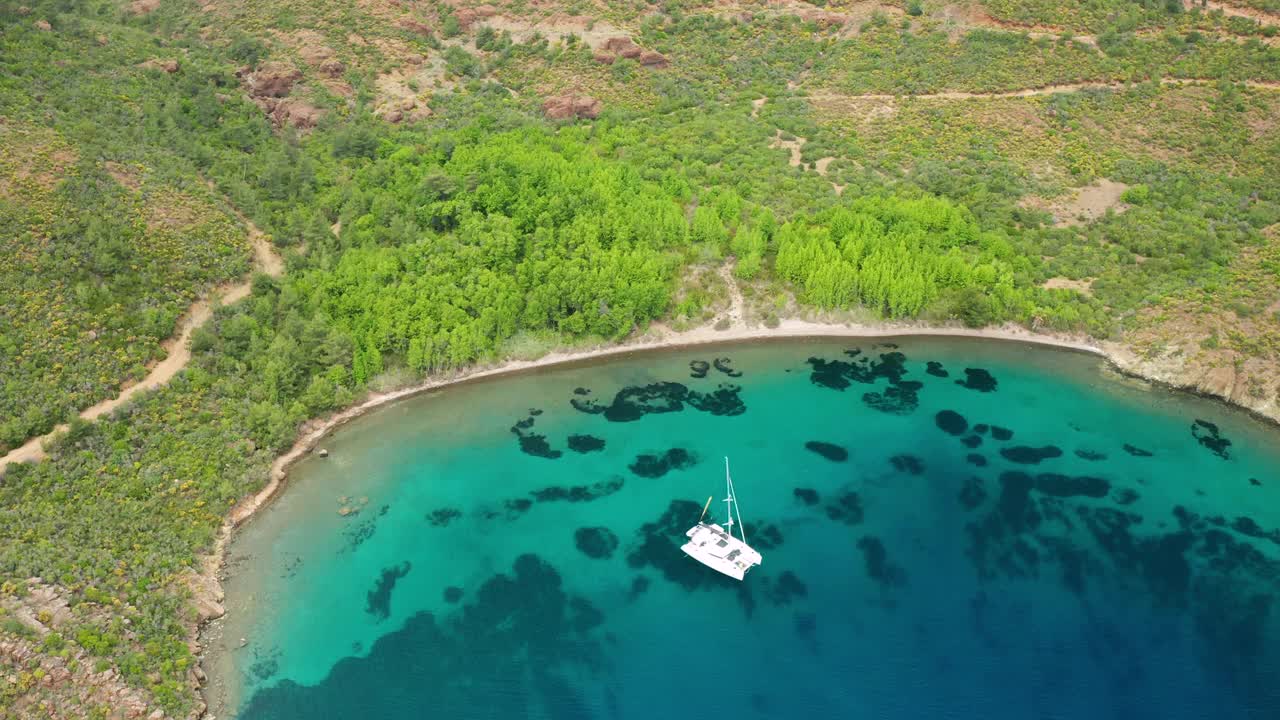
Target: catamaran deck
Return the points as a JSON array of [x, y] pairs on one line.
[[712, 546]]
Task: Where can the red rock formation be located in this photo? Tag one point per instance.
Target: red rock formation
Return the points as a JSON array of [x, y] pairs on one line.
[[169, 66], [142, 7], [416, 27], [564, 107], [295, 112], [272, 80], [653, 59], [469, 16]]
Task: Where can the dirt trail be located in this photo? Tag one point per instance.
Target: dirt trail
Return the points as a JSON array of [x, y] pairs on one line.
[[793, 146], [1258, 16], [1032, 92], [177, 348], [737, 312]]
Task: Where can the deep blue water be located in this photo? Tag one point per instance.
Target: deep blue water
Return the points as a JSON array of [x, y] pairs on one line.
[[1008, 533]]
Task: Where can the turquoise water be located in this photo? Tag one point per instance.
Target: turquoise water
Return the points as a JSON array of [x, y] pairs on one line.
[[1032, 539]]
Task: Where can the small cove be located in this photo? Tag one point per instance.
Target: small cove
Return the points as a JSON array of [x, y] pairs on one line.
[[499, 566]]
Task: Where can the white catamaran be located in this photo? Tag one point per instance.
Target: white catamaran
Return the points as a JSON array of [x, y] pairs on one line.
[[715, 546]]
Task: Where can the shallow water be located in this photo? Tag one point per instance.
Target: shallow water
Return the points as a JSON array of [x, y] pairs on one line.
[[497, 568]]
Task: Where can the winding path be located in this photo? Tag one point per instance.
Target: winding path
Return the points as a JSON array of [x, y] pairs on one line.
[[1032, 92], [177, 348]]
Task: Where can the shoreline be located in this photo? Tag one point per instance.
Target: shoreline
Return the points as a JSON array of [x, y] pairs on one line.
[[206, 584]]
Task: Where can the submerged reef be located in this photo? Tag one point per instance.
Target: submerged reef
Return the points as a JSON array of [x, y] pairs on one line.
[[830, 451]]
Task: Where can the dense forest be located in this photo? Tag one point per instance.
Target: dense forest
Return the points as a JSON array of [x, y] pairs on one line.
[[452, 186]]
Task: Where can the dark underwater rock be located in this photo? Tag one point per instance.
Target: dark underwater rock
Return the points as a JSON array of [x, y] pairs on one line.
[[1137, 451], [876, 560], [951, 422], [452, 595], [724, 366], [725, 400], [585, 443], [595, 542], [698, 369], [639, 585], [1249, 527], [808, 496], [537, 446], [785, 588], [1025, 455], [517, 507], [357, 534], [971, 442], [1090, 455], [847, 508], [909, 464], [1001, 433], [766, 536], [532, 443], [982, 428], [900, 399], [1161, 560], [634, 402], [1067, 486], [1210, 438], [519, 631], [579, 493], [378, 600], [443, 516], [978, 379], [655, 466], [976, 460], [972, 494], [935, 369], [830, 451], [840, 374], [1125, 496]]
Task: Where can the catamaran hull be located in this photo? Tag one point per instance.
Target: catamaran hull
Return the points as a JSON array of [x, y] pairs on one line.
[[720, 551]]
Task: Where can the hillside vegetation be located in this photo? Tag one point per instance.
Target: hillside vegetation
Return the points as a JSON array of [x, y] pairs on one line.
[[455, 183]]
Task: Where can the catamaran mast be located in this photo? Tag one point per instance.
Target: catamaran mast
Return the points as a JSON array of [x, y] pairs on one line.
[[728, 498], [732, 502]]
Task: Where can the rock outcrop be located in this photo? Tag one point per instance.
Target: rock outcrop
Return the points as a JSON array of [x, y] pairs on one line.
[[565, 107], [467, 17], [624, 47], [169, 66], [272, 79], [270, 85], [323, 59], [298, 113], [416, 27], [143, 7], [653, 59]]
